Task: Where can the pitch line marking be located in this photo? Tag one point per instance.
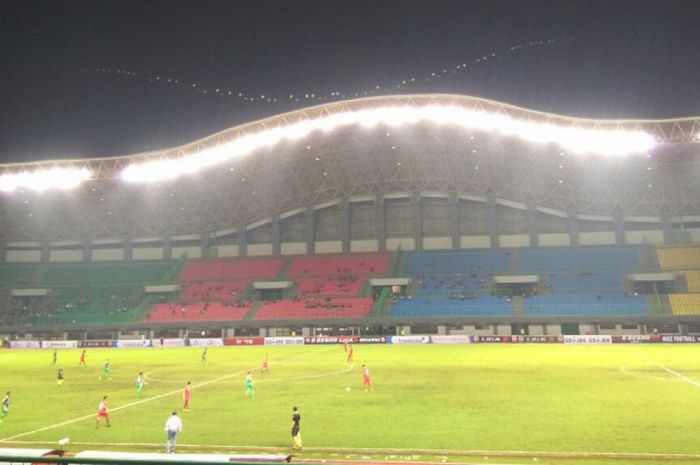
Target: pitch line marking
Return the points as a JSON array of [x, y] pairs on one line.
[[378, 451], [680, 376], [142, 401]]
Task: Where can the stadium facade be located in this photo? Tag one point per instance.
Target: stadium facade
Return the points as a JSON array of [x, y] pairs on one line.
[[412, 185]]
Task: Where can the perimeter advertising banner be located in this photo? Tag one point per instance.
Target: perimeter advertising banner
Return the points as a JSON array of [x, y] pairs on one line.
[[455, 339], [97, 343], [131, 343], [372, 340], [588, 339], [244, 341], [542, 339], [409, 339], [331, 340], [169, 342], [490, 339], [59, 344], [636, 339], [205, 342], [25, 344], [284, 341], [680, 339]]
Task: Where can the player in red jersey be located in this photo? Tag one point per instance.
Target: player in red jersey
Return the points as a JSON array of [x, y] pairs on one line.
[[102, 412], [265, 365], [366, 382], [351, 354], [82, 360], [187, 395]]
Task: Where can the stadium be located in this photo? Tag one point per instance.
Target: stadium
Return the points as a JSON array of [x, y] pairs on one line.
[[397, 220]]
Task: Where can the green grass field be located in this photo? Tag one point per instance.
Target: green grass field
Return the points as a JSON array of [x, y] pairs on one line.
[[641, 399]]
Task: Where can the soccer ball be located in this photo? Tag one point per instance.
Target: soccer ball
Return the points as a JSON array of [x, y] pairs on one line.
[[348, 388]]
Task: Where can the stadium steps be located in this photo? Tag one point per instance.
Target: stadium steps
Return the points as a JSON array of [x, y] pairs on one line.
[[253, 310], [518, 304]]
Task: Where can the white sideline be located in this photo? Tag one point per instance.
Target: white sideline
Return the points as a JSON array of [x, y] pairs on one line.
[[139, 402], [678, 375]]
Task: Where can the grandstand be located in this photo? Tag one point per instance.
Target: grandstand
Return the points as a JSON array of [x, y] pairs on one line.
[[382, 213]]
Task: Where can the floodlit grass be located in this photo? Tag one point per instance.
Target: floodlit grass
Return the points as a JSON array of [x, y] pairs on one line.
[[462, 398]]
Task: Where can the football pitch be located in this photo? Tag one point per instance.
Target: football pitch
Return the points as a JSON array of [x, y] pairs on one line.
[[469, 403]]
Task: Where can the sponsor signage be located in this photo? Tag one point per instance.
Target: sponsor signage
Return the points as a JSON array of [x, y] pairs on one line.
[[409, 339], [372, 339], [59, 344], [205, 342], [331, 339], [636, 339], [132, 343], [25, 344], [676, 339], [541, 339], [284, 341], [170, 342], [244, 341], [491, 339], [455, 339], [588, 339], [97, 343]]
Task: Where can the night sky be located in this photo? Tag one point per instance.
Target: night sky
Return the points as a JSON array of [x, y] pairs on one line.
[[94, 78]]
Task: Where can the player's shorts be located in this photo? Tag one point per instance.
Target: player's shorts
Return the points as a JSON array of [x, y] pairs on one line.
[[365, 379], [102, 413]]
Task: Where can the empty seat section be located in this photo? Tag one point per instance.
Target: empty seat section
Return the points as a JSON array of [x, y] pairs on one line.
[[564, 305], [333, 265], [464, 262], [230, 269], [584, 258], [679, 258], [101, 273], [198, 312], [17, 274], [329, 287], [586, 283], [685, 304], [315, 308], [693, 280], [217, 291], [442, 307]]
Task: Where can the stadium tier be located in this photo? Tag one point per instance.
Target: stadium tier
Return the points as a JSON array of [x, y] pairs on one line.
[[215, 291], [581, 305], [339, 265], [230, 269], [693, 280], [315, 308], [329, 287], [199, 312], [679, 258], [580, 259], [685, 304]]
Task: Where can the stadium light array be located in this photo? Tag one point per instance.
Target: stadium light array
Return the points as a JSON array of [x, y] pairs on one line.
[[43, 180], [594, 141]]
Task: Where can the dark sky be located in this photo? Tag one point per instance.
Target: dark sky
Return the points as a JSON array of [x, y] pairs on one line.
[[65, 91]]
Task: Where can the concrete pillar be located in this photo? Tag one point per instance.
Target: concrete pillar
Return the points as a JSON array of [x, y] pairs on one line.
[[417, 220], [276, 236], [345, 224], [128, 250], [45, 252], [380, 218], [3, 251], [573, 227], [666, 227], [167, 248], [87, 250], [453, 215], [493, 220], [306, 331], [532, 224], [619, 225], [310, 230], [242, 242], [204, 244]]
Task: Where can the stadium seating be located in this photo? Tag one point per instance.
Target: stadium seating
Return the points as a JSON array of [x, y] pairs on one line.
[[693, 280], [101, 273], [685, 304], [679, 258], [199, 312], [215, 291], [580, 259], [579, 305], [360, 265], [586, 283], [465, 262], [230, 269], [17, 274], [441, 307], [329, 287], [314, 308]]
